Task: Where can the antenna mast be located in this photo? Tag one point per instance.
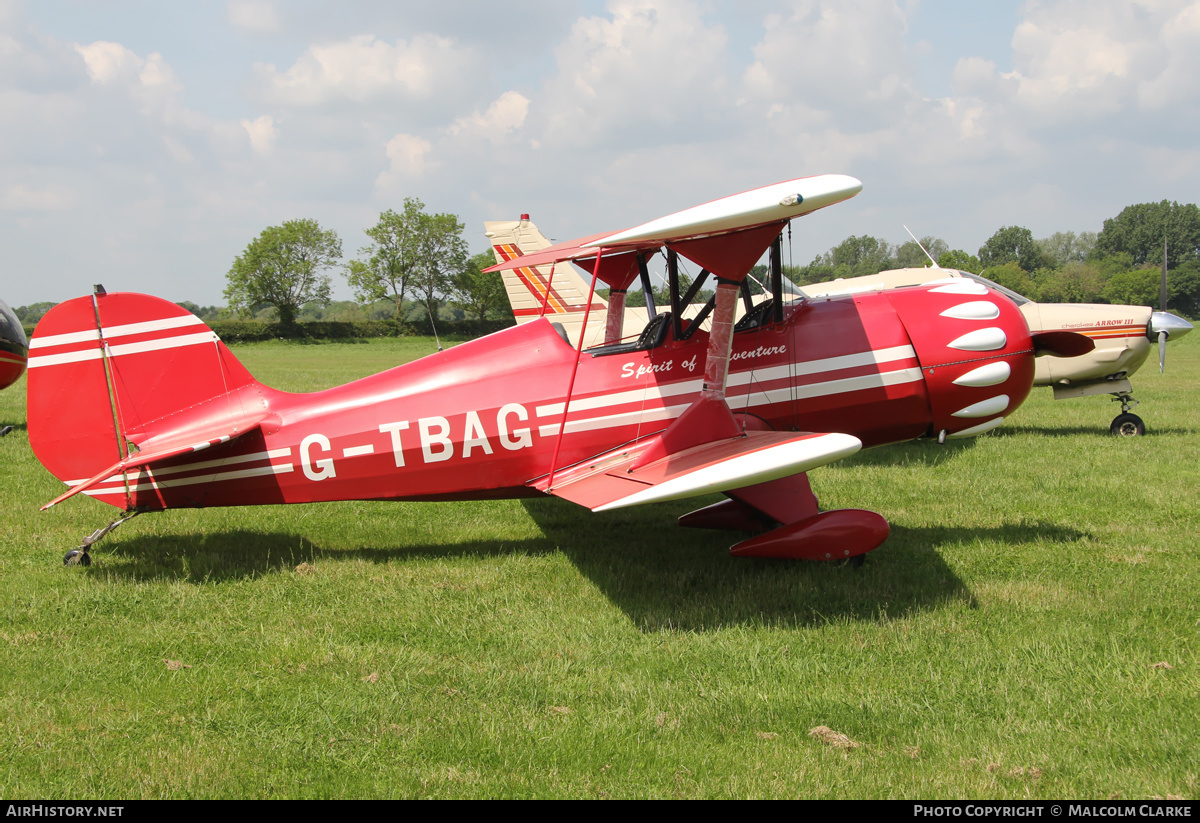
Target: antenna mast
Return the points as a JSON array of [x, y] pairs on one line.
[[922, 248]]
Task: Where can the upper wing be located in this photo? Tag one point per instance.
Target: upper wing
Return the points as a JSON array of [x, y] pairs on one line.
[[763, 206]]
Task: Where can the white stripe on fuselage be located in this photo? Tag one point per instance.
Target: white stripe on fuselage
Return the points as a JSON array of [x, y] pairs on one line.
[[134, 474], [844, 361], [754, 398], [739, 378], [274, 468], [848, 384], [757, 398]]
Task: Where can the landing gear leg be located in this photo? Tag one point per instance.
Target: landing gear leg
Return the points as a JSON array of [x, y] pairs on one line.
[[80, 556], [1126, 424]]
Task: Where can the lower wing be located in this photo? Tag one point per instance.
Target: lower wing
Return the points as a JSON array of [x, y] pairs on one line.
[[611, 480]]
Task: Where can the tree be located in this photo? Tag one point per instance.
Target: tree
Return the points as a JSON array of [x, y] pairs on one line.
[[32, 313], [818, 271], [861, 255], [1075, 282], [1139, 231], [413, 251], [391, 259], [1137, 287], [1184, 284], [910, 255], [283, 267], [1067, 247], [959, 259], [1140, 287], [1012, 276], [1012, 244], [441, 255], [205, 313], [478, 292]]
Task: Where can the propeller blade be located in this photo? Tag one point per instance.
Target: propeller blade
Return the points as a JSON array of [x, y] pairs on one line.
[[1164, 326]]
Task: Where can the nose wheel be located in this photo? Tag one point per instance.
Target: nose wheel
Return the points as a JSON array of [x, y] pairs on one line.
[[1127, 424]]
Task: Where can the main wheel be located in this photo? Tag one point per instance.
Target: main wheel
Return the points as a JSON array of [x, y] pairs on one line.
[[1127, 425], [855, 562]]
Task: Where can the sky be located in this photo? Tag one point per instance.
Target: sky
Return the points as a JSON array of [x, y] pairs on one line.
[[143, 145]]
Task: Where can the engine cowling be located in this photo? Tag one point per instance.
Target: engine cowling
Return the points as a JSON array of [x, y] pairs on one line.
[[975, 351]]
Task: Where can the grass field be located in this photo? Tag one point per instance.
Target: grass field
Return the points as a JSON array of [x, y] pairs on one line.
[[1030, 629]]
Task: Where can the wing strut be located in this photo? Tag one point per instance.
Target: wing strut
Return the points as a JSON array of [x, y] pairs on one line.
[[574, 371]]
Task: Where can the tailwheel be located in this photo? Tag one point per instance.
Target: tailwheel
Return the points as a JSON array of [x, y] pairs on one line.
[[79, 557], [1127, 425]]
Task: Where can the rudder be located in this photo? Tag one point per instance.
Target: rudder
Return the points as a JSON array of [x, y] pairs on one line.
[[113, 374]]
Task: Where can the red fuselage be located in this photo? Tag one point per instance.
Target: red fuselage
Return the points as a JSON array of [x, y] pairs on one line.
[[486, 418]]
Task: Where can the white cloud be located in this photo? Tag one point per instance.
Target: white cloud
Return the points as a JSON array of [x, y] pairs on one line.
[[365, 69], [637, 76], [109, 62], [262, 133], [51, 197], [256, 16], [848, 56], [1076, 62], [113, 64], [505, 115], [1176, 84], [147, 81], [407, 153], [619, 116], [1070, 66]]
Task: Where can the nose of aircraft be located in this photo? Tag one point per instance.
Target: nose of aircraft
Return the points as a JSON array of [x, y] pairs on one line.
[[975, 352], [1165, 322], [1166, 326]]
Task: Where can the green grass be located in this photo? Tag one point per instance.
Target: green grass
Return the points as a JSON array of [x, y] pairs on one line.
[[1003, 643]]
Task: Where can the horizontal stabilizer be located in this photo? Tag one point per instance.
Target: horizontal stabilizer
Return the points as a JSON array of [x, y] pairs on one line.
[[609, 482], [167, 446]]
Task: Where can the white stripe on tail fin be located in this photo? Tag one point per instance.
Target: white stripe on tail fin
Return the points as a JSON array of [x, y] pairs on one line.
[[118, 381]]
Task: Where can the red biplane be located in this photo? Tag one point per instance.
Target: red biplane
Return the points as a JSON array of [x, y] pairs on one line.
[[135, 402]]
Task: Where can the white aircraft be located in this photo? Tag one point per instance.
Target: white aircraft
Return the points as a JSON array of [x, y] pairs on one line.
[[1122, 335]]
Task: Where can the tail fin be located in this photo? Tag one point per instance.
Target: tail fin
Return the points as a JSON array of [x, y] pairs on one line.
[[559, 292], [125, 380]]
